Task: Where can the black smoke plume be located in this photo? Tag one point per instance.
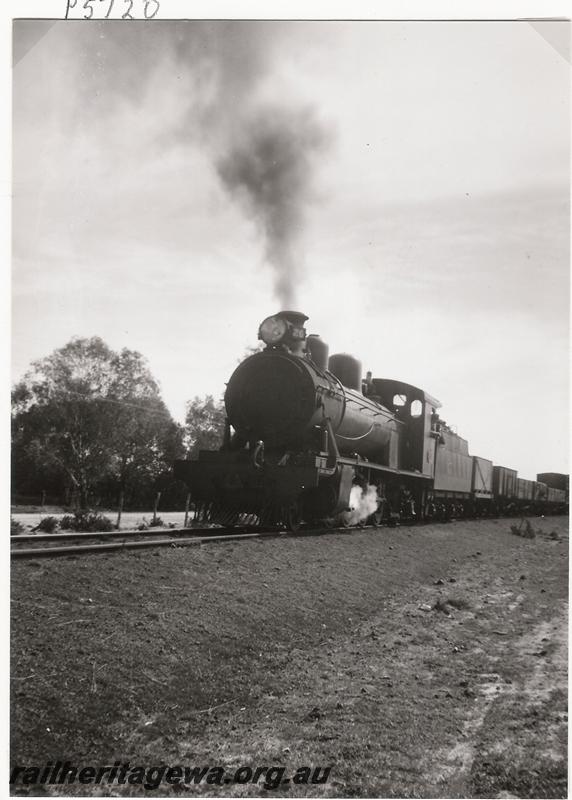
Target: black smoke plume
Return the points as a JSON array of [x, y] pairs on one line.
[[264, 150], [269, 169]]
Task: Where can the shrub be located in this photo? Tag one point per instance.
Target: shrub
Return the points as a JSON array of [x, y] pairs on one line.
[[527, 532], [441, 605], [87, 522], [16, 527], [47, 524], [145, 524], [445, 606], [459, 603]]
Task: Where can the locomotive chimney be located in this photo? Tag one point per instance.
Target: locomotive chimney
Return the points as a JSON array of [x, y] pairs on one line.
[[295, 339]]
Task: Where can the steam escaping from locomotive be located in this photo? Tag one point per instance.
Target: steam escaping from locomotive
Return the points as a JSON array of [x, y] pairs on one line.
[[363, 503], [269, 170]]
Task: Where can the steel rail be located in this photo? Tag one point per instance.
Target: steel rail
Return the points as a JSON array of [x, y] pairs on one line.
[[42, 552], [41, 537]]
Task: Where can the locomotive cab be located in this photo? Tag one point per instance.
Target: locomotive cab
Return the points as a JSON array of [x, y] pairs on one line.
[[417, 411]]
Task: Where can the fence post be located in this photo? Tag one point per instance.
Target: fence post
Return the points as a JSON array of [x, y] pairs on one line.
[[155, 507], [120, 510], [187, 504], [43, 498]]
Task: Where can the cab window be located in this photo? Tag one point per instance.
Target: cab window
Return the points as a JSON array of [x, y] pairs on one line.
[[416, 408]]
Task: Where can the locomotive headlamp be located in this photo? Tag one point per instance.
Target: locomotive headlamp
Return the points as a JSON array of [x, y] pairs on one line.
[[272, 330]]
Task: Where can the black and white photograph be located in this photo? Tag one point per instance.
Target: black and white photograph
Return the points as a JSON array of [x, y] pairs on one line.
[[289, 405]]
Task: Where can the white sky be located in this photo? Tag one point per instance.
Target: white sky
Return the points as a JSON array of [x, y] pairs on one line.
[[436, 244]]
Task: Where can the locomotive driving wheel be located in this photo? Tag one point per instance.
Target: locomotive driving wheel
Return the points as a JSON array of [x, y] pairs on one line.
[[292, 516], [377, 516]]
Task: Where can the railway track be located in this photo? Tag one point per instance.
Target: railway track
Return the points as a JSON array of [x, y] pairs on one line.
[[108, 541], [102, 542]]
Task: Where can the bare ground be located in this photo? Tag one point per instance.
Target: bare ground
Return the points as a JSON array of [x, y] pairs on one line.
[[416, 662]]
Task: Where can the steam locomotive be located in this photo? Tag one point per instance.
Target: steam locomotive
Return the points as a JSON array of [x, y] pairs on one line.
[[307, 439]]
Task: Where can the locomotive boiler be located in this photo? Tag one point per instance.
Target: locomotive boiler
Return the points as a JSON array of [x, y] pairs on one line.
[[287, 398], [305, 430]]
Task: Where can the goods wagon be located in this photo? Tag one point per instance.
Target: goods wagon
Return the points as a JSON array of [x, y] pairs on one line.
[[453, 465], [524, 489], [482, 479], [554, 479], [504, 482]]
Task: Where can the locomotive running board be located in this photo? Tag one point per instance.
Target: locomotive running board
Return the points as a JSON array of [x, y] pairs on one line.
[[405, 473]]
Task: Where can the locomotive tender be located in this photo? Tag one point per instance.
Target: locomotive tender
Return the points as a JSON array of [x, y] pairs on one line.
[[305, 430]]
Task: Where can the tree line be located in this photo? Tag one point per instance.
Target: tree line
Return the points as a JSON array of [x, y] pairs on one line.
[[89, 424]]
